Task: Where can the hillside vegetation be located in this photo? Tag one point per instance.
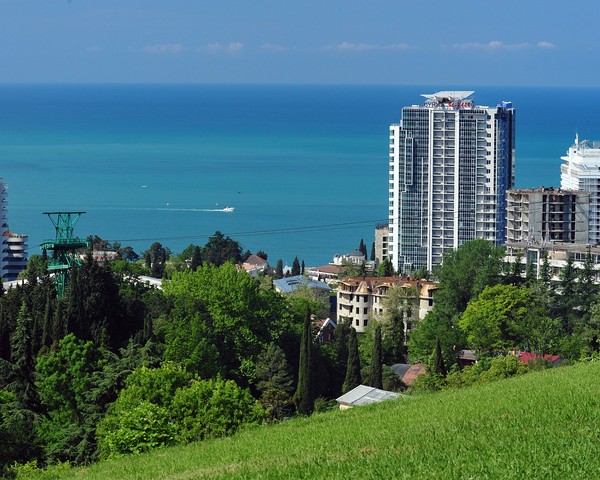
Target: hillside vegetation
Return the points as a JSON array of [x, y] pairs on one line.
[[542, 425]]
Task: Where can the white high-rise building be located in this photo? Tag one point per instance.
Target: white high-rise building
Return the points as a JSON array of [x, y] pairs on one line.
[[581, 171], [13, 247], [450, 165]]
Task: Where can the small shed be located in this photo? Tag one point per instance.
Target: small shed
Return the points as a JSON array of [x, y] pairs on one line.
[[365, 395]]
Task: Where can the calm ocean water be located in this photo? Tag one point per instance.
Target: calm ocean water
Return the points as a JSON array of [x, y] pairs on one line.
[[304, 166]]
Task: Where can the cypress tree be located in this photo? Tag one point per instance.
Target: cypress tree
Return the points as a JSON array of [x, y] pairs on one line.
[[295, 267], [585, 289], [529, 274], [353, 378], [376, 366], [196, 259], [545, 273], [23, 360], [362, 248], [372, 252], [279, 269], [59, 324], [304, 391], [439, 366], [48, 318]]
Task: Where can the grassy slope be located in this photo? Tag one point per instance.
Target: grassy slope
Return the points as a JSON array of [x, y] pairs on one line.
[[542, 425]]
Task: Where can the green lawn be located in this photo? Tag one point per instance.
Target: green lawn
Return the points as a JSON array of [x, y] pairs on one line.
[[541, 425]]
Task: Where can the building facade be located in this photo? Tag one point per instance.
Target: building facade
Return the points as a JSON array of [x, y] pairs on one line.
[[382, 236], [13, 251], [450, 164], [547, 215], [581, 171], [361, 299], [557, 256]]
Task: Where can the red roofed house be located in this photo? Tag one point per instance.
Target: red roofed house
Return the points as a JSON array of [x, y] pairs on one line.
[[527, 358]]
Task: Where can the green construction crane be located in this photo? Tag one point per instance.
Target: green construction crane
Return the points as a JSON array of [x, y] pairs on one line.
[[64, 248]]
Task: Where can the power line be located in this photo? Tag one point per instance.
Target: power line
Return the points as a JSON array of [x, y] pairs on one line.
[[275, 231]]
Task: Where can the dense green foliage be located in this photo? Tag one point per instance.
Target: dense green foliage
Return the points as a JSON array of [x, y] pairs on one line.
[[483, 306], [116, 366], [167, 405], [221, 321]]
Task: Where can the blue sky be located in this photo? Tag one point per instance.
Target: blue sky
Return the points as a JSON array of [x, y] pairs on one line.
[[484, 42]]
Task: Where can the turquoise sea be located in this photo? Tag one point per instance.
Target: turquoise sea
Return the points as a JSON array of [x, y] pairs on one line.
[[305, 167]]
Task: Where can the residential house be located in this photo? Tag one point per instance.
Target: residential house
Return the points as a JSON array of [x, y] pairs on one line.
[[360, 299], [323, 329], [326, 273], [255, 265]]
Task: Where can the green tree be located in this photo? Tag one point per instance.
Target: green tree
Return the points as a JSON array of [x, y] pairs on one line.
[[372, 257], [155, 259], [279, 269], [438, 365], [398, 306], [439, 324], [213, 408], [196, 259], [140, 428], [338, 352], [37, 267], [18, 441], [385, 268], [305, 299], [545, 271], [362, 248], [568, 300], [514, 275], [465, 272], [586, 290], [275, 381], [221, 321], [221, 249], [529, 273], [167, 405], [64, 378], [295, 267], [304, 396], [94, 310], [23, 361], [590, 331], [463, 275], [492, 322], [353, 378], [376, 380]]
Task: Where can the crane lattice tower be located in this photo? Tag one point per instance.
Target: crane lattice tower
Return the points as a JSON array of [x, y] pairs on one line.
[[63, 257]]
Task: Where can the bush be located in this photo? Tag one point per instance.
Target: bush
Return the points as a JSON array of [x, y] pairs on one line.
[[213, 408], [503, 367], [139, 429], [165, 406]]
